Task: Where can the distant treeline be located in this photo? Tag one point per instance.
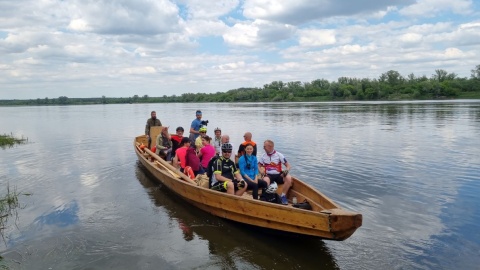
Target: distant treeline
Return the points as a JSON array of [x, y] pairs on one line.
[[389, 86]]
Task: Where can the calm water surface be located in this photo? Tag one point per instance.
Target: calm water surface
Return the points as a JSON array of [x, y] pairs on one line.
[[411, 169]]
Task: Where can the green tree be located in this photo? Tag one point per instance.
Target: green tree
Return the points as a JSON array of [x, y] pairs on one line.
[[476, 73], [440, 75], [63, 100]]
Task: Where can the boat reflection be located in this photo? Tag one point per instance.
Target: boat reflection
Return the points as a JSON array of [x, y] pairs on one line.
[[235, 245]]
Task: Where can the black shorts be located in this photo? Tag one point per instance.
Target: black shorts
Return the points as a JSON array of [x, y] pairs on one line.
[[275, 178], [221, 187]]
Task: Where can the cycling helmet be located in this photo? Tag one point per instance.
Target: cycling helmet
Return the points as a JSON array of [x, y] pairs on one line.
[[227, 146], [217, 129], [272, 188], [202, 129]]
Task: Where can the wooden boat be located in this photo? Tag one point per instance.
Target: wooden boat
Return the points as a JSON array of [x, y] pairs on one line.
[[325, 220]]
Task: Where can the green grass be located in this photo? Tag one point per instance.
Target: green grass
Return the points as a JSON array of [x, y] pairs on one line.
[[469, 95], [10, 140], [8, 207]]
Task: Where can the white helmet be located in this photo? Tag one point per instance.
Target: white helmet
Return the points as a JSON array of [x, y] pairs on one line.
[[272, 188]]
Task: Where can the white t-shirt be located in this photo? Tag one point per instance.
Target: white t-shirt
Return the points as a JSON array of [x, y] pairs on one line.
[[273, 162], [217, 144]]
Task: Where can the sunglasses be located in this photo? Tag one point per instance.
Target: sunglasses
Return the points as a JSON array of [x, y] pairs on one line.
[[226, 151]]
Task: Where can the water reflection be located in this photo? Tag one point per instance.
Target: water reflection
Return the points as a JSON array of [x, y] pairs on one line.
[[61, 216], [49, 223], [411, 169], [237, 246]]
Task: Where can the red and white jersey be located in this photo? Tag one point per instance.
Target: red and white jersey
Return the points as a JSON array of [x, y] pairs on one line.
[[272, 162]]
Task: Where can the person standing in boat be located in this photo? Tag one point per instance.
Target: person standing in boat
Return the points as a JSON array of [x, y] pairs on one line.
[[270, 166], [247, 164], [151, 122], [217, 143], [227, 177], [176, 139], [195, 127], [164, 145], [248, 140]]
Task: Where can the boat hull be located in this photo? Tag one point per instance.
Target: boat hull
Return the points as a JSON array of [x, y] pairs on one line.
[[326, 220]]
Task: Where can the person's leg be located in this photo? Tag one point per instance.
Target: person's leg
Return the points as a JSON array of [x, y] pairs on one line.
[[230, 188], [262, 184], [287, 183], [266, 179], [254, 187], [219, 186], [242, 190]]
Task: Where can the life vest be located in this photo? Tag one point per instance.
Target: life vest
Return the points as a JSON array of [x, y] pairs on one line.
[[189, 172]]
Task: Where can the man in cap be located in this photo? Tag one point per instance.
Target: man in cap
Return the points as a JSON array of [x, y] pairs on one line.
[[217, 143], [198, 141], [195, 126]]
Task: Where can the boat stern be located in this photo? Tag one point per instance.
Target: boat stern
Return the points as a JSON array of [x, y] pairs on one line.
[[343, 223]]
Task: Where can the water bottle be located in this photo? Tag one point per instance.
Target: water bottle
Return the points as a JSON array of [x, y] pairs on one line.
[[294, 199]]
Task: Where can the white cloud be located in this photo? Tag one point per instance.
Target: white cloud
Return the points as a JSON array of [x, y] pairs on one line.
[[242, 34], [317, 37], [120, 48], [138, 70], [252, 34], [411, 38], [302, 11], [454, 53], [210, 9], [79, 25], [430, 8]]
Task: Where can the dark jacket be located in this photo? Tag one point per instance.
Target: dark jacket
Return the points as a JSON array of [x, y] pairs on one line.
[[151, 123]]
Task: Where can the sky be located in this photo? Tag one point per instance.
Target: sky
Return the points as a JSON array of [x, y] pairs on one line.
[[122, 48]]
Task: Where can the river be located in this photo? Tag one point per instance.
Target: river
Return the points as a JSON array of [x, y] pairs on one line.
[[411, 168]]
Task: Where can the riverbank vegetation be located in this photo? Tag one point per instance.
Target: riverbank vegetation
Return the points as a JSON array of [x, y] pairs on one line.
[[10, 140], [390, 85], [8, 203]]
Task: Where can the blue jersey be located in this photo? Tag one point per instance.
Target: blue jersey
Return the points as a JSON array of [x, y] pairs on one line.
[[196, 124]]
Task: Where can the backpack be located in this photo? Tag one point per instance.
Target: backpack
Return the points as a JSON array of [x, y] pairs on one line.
[[210, 169], [270, 197]]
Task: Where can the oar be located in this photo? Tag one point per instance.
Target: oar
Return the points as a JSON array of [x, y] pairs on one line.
[[169, 167]]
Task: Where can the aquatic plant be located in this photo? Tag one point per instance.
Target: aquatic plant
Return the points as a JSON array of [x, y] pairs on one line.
[[10, 140]]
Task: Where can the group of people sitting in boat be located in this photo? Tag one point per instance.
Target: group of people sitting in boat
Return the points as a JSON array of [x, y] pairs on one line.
[[233, 173]]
